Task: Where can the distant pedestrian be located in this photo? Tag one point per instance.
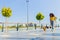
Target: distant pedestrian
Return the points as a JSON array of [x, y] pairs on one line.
[[52, 19]]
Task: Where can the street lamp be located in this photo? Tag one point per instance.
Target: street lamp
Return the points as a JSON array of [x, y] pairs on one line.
[[27, 2]]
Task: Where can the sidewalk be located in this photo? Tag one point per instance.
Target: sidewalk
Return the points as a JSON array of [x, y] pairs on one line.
[[28, 34]]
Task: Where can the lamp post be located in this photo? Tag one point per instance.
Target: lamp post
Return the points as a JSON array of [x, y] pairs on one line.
[[27, 2]]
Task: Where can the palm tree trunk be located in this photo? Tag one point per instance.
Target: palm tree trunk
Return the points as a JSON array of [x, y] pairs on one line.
[[39, 23], [6, 20]]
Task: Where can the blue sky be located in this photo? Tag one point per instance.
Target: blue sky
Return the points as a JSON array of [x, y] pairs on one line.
[[19, 10]]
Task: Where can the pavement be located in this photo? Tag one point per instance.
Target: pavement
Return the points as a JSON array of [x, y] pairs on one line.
[[30, 34]]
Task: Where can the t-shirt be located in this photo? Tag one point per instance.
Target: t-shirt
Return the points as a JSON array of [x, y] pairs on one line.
[[52, 18]]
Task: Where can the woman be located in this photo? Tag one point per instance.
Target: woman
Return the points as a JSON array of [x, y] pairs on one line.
[[52, 19]]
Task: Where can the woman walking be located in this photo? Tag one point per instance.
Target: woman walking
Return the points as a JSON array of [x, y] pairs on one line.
[[52, 19]]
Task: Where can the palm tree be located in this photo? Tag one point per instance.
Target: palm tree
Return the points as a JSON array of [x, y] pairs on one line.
[[6, 12], [39, 17]]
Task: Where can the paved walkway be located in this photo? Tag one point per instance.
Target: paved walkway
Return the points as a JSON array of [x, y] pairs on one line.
[[31, 35]]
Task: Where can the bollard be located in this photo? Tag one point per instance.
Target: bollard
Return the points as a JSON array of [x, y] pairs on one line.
[[27, 26], [58, 25], [17, 27], [35, 26]]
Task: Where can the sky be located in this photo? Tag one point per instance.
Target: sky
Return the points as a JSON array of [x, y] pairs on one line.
[[19, 10]]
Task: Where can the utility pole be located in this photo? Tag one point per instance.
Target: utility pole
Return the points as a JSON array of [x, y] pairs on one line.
[[27, 2]]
